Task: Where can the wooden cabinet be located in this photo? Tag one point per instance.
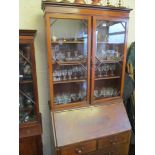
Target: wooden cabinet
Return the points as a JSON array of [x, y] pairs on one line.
[[86, 48], [30, 127]]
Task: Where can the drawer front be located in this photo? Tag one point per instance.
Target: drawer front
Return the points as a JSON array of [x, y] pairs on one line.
[[80, 148], [121, 149], [114, 140]]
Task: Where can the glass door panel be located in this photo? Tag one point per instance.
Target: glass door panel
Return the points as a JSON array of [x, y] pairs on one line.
[[26, 93], [69, 42], [109, 53]]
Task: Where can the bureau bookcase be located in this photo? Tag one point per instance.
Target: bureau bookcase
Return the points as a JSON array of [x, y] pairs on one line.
[[86, 48]]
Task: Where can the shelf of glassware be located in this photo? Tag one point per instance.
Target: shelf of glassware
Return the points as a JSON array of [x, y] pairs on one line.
[[70, 93], [107, 77], [70, 81], [60, 62], [106, 93], [25, 81], [67, 42], [104, 42]]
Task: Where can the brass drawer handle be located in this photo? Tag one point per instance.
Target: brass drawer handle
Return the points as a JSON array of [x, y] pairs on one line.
[[79, 150], [113, 142]]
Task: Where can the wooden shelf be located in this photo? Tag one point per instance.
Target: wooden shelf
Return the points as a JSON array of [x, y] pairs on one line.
[[69, 62], [109, 61], [107, 77], [67, 42], [69, 81], [102, 42], [25, 81], [104, 98]]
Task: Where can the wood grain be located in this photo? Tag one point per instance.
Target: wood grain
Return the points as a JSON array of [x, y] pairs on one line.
[[83, 124]]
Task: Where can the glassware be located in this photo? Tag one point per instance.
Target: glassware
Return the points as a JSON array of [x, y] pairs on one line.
[[80, 70], [114, 92], [70, 74], [64, 73], [100, 71], [106, 69], [73, 97], [112, 69], [103, 92], [96, 93], [68, 56], [104, 55], [76, 57], [59, 74], [75, 70]]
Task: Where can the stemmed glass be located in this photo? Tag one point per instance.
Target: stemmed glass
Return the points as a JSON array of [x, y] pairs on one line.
[[80, 72], [112, 68], [106, 69], [59, 74], [68, 56], [96, 93], [64, 73], [100, 71], [69, 74], [76, 55], [75, 70]]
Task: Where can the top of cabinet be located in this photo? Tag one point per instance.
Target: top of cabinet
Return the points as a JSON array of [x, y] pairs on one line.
[[82, 6], [24, 32]]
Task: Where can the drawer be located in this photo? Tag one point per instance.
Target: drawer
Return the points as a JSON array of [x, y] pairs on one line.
[[114, 140], [120, 149], [80, 148]]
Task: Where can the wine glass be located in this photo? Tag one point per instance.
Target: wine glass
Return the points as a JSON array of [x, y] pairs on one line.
[[96, 93], [73, 97], [68, 56], [106, 69], [100, 71], [70, 74], [59, 74], [80, 70], [64, 73], [75, 70], [103, 92], [112, 68], [75, 54]]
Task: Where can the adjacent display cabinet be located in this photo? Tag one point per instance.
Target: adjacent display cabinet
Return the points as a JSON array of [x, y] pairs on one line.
[[30, 128], [86, 48]]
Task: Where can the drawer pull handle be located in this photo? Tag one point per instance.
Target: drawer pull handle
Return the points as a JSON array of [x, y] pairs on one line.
[[79, 150], [110, 153], [113, 142]]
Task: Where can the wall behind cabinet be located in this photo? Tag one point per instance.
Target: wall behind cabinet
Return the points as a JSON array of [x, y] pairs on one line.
[[31, 17]]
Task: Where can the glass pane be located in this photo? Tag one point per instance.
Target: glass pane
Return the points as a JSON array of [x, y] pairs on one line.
[[26, 96], [69, 58], [110, 37]]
